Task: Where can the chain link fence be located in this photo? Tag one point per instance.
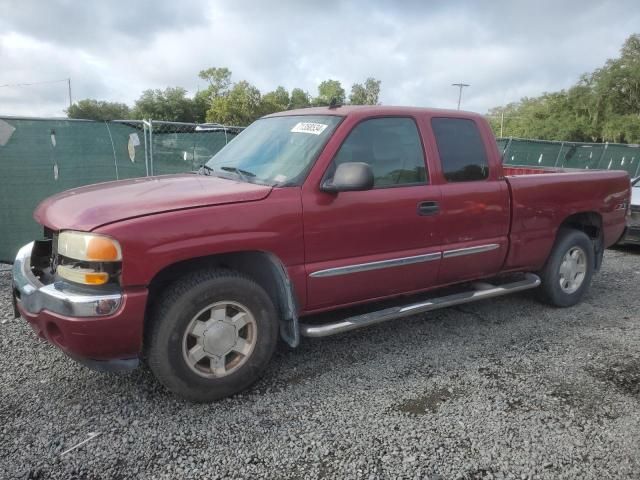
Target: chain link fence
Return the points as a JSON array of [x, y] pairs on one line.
[[40, 157]]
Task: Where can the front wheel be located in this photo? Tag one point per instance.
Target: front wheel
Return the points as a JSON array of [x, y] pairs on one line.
[[211, 335], [567, 274]]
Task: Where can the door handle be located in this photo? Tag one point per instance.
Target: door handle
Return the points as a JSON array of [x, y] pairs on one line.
[[428, 208]]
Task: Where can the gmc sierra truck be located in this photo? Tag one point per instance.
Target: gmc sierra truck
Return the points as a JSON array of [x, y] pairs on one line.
[[370, 213]]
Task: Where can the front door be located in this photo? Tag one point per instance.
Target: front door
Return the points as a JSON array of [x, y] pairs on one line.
[[376, 243]]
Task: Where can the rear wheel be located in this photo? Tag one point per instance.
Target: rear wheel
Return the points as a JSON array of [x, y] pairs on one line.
[[568, 271], [211, 335]]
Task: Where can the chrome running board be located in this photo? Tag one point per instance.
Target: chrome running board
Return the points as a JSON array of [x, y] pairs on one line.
[[479, 291]]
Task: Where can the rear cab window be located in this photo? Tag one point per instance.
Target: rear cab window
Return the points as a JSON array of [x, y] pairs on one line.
[[463, 157]]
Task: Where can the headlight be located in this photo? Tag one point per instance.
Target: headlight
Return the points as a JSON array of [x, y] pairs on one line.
[[88, 247], [87, 258]]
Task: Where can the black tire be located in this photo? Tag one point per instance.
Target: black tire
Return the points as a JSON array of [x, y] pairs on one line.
[[551, 291], [177, 306]]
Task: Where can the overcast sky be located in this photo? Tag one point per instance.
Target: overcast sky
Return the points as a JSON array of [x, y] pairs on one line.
[[113, 50]]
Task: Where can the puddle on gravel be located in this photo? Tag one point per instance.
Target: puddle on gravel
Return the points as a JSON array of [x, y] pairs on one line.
[[427, 403], [481, 473], [300, 377], [570, 395], [496, 374], [583, 399], [624, 376]]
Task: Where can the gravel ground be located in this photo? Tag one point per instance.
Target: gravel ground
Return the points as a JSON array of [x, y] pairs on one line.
[[506, 388]]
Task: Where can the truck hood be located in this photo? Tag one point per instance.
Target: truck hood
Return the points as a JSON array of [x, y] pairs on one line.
[[87, 208]]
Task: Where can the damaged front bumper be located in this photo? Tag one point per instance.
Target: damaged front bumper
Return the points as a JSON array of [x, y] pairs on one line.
[[101, 329], [57, 297]]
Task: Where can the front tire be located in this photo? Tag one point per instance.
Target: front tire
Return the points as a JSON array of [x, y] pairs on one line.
[[567, 274], [211, 335]]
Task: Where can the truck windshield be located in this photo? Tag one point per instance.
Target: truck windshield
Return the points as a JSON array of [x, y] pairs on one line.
[[275, 150]]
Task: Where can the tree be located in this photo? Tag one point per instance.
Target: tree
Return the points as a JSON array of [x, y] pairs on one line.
[[621, 128], [240, 106], [219, 80], [170, 104], [328, 91], [603, 105], [223, 101], [299, 99], [366, 94], [275, 101], [358, 95], [201, 103], [91, 109]]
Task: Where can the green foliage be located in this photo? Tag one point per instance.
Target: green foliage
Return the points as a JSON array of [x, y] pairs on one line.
[[201, 103], [90, 109], [366, 94], [358, 95], [219, 80], [170, 104], [622, 128], [603, 106], [299, 99], [240, 106], [329, 90], [223, 101], [275, 101]]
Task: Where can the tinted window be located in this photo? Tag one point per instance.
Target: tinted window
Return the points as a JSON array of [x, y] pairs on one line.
[[462, 153], [391, 146]]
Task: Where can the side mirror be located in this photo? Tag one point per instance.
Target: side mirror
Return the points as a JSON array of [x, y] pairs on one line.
[[350, 177]]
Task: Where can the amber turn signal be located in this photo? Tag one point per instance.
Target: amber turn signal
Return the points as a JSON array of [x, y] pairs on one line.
[[102, 249], [85, 276]]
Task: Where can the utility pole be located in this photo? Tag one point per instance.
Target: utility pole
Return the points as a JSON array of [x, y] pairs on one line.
[[501, 123], [460, 86], [69, 85]]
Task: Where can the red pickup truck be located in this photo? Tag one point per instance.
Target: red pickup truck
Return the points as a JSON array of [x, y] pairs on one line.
[[394, 210]]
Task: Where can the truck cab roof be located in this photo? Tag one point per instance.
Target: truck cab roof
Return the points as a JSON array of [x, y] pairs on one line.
[[375, 110]]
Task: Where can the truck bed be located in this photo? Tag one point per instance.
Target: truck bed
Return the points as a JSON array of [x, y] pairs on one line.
[[515, 170], [540, 202]]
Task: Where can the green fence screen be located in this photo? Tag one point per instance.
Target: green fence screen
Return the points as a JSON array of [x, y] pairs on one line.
[[40, 157], [604, 156]]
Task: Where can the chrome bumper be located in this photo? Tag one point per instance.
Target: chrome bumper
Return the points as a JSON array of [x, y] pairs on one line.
[[58, 297]]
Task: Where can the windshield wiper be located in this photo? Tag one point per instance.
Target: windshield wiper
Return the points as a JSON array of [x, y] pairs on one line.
[[205, 170], [243, 174]]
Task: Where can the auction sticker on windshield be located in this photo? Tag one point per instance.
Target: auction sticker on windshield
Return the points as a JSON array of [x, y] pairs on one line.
[[309, 127]]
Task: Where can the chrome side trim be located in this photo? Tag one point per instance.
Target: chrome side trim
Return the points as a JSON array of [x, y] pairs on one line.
[[482, 292], [57, 297], [470, 250], [363, 267]]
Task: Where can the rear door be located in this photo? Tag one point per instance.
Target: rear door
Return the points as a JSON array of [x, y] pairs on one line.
[[475, 211], [380, 242]]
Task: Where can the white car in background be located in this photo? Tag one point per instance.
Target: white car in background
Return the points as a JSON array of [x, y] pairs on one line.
[[632, 233]]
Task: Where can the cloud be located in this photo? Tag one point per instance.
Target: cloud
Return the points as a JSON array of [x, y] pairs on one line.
[[115, 50], [98, 26]]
